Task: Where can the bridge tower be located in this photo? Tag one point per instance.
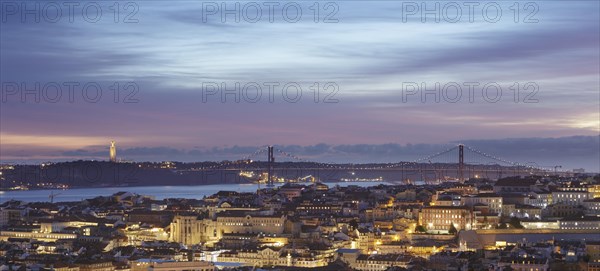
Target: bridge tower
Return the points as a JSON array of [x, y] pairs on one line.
[[461, 162], [270, 161]]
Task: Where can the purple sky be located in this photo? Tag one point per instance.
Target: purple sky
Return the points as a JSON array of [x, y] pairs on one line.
[[370, 53]]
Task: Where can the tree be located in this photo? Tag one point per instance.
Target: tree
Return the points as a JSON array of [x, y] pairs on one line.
[[586, 258], [420, 228], [515, 223], [353, 224], [452, 229]]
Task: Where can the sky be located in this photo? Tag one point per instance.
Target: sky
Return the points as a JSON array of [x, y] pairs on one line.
[[362, 81]]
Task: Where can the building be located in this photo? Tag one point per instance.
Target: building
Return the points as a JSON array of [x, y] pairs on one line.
[[291, 191], [10, 215], [593, 266], [514, 185], [562, 210], [580, 223], [524, 211], [571, 197], [594, 189], [170, 265], [49, 237], [65, 267], [425, 248], [492, 200], [190, 229], [447, 199], [113, 152], [318, 208], [592, 206], [396, 247], [592, 248], [540, 225], [381, 262], [150, 217], [101, 265], [539, 199], [485, 221], [242, 222], [440, 218], [365, 240], [524, 263], [256, 257]]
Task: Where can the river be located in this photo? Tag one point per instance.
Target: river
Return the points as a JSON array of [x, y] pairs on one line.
[[159, 192]]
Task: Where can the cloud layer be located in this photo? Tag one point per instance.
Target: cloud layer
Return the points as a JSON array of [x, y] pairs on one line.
[[370, 53]]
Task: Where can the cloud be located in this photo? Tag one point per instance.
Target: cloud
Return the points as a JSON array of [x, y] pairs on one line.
[[369, 53]]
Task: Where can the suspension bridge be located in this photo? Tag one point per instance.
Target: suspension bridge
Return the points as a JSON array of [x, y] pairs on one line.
[[457, 163]]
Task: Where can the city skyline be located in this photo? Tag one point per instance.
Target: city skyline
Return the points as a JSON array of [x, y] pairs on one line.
[[513, 150], [355, 135]]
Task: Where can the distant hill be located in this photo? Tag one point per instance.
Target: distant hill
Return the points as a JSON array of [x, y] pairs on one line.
[[102, 173]]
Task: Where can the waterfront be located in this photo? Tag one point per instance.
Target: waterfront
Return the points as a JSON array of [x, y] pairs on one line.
[[159, 192]]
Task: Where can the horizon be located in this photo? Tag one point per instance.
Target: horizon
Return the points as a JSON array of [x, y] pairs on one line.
[[325, 153]]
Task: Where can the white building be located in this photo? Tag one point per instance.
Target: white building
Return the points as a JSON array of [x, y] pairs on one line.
[[592, 206], [492, 200], [571, 197]]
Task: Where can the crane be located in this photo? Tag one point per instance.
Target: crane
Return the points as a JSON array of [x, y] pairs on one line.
[[303, 179], [424, 178], [555, 169], [435, 172], [52, 195]]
